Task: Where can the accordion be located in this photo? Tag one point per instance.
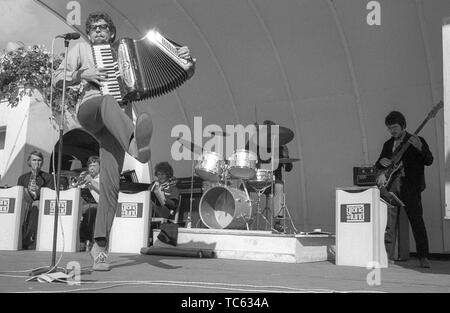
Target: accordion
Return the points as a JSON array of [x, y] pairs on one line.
[[141, 69]]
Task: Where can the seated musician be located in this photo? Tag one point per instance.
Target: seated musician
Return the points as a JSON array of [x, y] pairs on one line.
[[32, 183], [165, 194], [91, 181]]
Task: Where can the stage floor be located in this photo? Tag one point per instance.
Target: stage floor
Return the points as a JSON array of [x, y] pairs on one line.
[[157, 274]]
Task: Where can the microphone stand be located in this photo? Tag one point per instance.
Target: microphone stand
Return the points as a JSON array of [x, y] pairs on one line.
[[53, 268], [189, 219]]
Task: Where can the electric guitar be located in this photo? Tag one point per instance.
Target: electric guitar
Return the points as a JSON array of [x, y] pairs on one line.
[[163, 188], [392, 170], [171, 182]]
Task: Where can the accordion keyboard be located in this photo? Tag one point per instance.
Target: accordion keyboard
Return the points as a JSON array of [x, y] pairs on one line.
[[103, 58]]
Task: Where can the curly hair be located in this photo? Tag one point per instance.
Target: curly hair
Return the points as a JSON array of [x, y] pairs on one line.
[[164, 167], [96, 16]]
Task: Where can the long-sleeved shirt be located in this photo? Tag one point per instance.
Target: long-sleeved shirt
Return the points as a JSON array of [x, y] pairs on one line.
[[413, 160], [79, 58], [43, 179]]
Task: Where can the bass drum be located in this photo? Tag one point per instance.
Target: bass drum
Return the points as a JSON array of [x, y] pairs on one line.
[[224, 207]]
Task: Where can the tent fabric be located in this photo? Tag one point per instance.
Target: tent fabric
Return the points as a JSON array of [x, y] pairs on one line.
[[316, 67]]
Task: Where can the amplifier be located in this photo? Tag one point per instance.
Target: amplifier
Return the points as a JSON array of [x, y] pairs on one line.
[[184, 183], [195, 191], [185, 206], [365, 176]]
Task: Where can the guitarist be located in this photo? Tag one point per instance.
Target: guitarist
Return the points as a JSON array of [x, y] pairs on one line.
[[164, 192], [407, 183]]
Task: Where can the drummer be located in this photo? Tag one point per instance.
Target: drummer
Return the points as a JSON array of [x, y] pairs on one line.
[[278, 190]]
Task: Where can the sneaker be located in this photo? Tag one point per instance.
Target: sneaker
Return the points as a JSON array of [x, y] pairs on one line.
[[99, 256], [424, 263], [142, 135]]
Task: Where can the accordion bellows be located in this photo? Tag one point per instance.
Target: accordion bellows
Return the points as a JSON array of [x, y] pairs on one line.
[[141, 69]]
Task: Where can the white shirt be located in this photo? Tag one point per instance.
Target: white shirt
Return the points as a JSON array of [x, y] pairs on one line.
[[94, 193]]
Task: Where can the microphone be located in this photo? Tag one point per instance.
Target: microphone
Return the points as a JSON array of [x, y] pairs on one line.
[[69, 36]]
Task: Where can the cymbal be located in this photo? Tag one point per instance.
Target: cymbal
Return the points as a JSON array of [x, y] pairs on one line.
[[288, 160], [219, 133], [285, 135], [190, 145]]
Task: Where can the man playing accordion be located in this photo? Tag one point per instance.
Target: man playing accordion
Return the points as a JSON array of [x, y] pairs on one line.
[[102, 116]]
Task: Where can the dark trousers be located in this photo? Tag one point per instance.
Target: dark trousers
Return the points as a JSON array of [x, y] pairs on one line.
[[413, 207], [162, 211], [30, 216], [113, 128], [87, 223], [414, 210]]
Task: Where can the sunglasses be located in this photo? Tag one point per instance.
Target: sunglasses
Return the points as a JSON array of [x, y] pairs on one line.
[[93, 28]]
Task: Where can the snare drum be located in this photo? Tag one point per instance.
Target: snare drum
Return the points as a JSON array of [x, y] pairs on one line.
[[261, 180], [243, 164], [209, 166]]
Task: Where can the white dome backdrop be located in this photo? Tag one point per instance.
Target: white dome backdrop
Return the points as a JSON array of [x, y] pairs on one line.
[[314, 66]]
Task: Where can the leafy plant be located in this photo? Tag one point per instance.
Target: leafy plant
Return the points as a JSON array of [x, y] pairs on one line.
[[23, 70]]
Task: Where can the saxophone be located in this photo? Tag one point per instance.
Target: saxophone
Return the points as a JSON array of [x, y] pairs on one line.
[[32, 185]]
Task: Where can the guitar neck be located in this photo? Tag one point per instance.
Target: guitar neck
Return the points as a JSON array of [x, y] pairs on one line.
[[171, 182], [406, 145], [425, 121], [398, 155]]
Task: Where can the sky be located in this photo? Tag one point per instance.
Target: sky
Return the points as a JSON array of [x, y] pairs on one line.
[[31, 23]]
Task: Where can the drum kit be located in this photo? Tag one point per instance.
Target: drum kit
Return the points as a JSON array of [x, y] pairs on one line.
[[226, 202]]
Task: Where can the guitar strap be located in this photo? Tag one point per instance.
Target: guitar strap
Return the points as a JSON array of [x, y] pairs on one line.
[[400, 145], [400, 172]]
